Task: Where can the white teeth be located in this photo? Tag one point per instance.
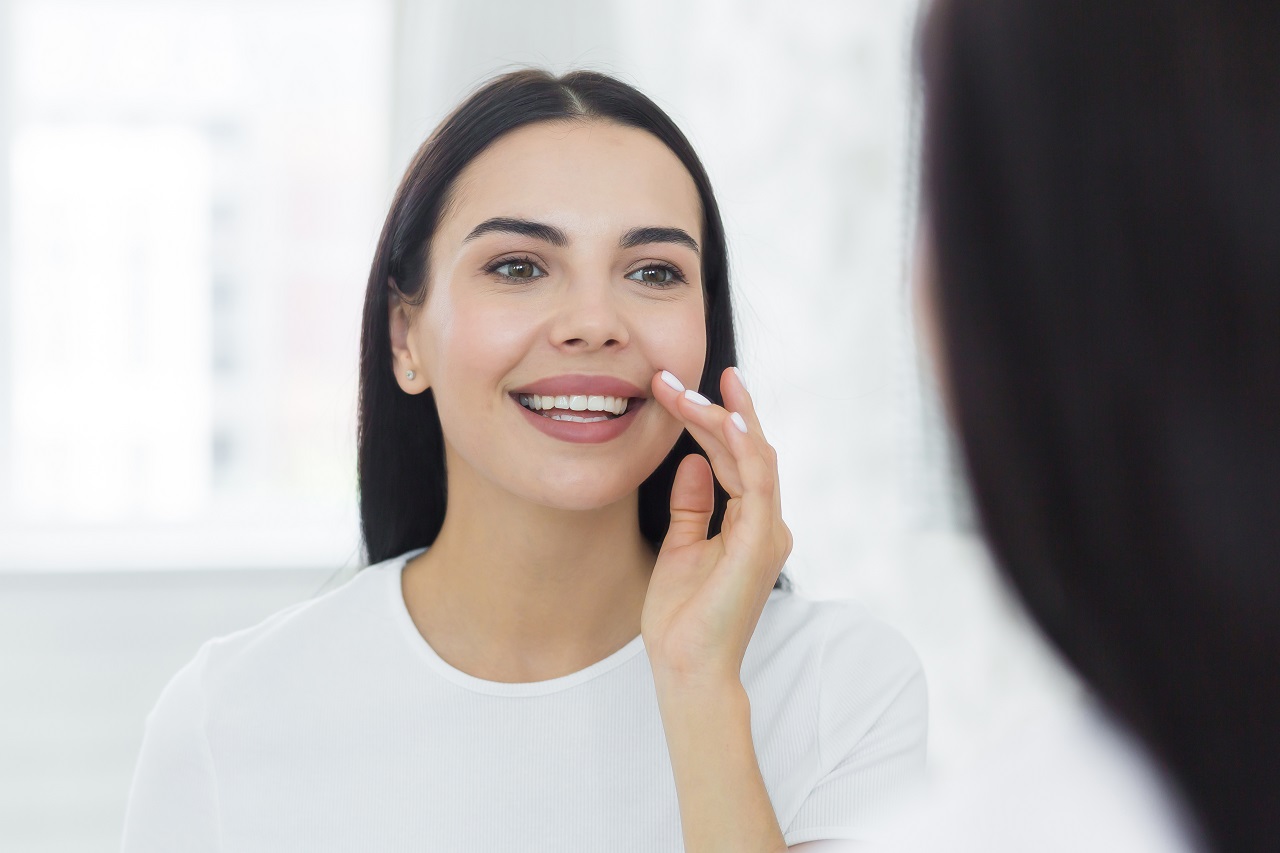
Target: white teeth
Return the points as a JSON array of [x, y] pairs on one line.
[[577, 420], [575, 403]]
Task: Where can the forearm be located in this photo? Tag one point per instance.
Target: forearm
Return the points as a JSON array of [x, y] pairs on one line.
[[723, 802]]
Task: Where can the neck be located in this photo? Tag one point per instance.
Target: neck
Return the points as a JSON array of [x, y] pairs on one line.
[[517, 591]]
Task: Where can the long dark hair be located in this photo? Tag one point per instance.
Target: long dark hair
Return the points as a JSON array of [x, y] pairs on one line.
[[1102, 183], [400, 444]]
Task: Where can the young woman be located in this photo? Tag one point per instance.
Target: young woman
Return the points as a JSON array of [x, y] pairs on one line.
[[571, 636], [1102, 186]]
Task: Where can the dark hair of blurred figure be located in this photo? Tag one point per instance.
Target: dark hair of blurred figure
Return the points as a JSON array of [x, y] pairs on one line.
[[400, 446], [1102, 187]]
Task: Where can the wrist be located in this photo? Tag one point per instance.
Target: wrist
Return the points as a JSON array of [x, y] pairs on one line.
[[705, 723], [724, 805], [709, 681]]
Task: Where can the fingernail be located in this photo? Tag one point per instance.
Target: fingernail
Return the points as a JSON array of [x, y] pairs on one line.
[[694, 397], [738, 421], [670, 378], [738, 373]]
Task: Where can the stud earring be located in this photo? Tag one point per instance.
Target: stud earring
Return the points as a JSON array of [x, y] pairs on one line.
[[409, 374]]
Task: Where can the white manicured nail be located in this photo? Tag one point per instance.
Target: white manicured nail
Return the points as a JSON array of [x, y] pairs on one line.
[[738, 421], [738, 373], [694, 397], [670, 378]]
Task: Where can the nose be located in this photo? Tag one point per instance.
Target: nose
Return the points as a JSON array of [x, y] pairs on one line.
[[590, 317]]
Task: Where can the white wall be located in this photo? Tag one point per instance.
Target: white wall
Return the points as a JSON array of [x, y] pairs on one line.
[[6, 100]]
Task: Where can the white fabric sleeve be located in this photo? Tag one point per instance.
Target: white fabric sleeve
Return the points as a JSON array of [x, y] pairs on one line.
[[173, 804], [873, 717]]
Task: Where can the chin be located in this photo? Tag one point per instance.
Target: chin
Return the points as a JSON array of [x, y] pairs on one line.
[[587, 490], [584, 499]]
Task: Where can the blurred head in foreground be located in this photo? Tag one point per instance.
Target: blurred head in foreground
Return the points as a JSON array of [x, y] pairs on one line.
[[1102, 192]]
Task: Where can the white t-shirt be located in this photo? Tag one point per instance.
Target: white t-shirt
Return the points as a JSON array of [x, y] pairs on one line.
[[1072, 782], [333, 726]]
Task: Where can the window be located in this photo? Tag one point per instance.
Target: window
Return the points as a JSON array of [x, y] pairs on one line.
[[195, 191]]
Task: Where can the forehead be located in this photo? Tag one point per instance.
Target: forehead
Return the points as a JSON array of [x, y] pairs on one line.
[[590, 178]]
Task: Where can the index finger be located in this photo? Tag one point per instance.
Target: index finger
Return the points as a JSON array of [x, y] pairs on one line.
[[705, 423]]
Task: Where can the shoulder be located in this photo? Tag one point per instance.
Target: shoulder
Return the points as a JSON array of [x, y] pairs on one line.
[[840, 639], [308, 621], [863, 680], [296, 640], [851, 690]]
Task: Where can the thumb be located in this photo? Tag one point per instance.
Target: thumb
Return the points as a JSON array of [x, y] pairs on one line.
[[692, 502]]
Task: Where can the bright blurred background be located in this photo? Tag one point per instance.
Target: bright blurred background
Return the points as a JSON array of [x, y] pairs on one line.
[[190, 194]]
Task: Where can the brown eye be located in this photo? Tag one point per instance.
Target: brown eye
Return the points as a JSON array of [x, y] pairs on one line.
[[657, 276], [519, 269]]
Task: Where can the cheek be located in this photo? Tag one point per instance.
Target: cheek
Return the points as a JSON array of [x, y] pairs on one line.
[[473, 341], [678, 342]]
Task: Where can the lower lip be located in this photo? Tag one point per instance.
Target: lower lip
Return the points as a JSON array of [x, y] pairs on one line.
[[592, 433]]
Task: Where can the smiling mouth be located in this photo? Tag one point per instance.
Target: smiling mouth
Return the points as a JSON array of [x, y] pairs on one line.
[[575, 408]]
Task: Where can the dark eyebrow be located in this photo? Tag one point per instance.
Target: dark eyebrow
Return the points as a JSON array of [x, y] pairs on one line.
[[523, 227], [644, 236]]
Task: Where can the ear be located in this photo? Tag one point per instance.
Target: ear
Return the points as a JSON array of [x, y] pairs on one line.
[[410, 369]]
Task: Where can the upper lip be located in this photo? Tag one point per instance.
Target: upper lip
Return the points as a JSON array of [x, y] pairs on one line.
[[603, 386]]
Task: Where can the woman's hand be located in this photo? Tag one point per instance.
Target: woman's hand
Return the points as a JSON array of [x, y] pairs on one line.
[[706, 595]]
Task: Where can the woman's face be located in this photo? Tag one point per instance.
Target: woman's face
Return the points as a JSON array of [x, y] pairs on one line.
[[565, 272]]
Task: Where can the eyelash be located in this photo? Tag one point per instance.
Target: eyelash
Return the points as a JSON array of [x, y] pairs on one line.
[[493, 268], [677, 277]]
